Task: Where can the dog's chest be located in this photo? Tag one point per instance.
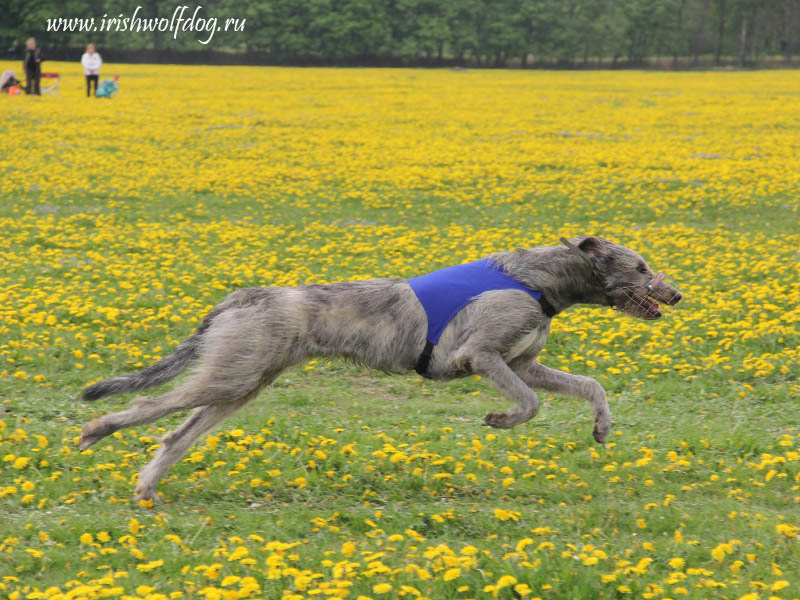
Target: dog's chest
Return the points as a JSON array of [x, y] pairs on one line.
[[530, 343]]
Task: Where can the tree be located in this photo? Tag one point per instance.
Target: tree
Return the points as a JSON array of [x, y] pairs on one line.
[[699, 38], [744, 24], [426, 27], [721, 6], [486, 32], [789, 26], [462, 18]]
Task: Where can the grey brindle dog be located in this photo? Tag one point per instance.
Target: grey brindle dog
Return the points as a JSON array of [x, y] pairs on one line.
[[245, 342]]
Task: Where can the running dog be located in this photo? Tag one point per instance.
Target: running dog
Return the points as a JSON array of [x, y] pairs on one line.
[[489, 318]]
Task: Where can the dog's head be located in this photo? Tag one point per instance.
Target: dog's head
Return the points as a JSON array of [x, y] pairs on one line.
[[627, 281]]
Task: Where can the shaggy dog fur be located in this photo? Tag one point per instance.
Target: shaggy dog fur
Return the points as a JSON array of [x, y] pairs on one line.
[[245, 342]]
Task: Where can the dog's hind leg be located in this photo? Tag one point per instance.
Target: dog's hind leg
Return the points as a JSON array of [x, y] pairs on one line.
[[538, 376], [175, 444], [145, 409], [493, 367], [229, 372], [202, 389]]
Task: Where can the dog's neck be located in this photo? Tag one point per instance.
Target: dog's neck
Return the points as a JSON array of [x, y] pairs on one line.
[[562, 276]]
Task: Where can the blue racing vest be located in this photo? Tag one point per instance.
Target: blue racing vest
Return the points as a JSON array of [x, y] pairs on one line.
[[445, 292]]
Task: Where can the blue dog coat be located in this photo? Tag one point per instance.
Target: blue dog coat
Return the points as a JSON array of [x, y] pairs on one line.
[[445, 292]]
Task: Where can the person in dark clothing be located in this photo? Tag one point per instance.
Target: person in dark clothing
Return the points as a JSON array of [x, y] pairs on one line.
[[32, 65]]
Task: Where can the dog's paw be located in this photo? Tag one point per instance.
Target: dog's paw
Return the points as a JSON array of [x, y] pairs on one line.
[[85, 442], [93, 432], [147, 495], [601, 429], [497, 420]]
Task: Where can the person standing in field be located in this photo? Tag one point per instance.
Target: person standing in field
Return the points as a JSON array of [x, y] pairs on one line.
[[32, 65], [91, 62]]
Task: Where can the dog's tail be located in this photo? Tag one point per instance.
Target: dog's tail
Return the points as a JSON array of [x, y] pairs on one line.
[[165, 369]]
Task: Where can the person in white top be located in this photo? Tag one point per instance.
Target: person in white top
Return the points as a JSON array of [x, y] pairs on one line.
[[91, 62]]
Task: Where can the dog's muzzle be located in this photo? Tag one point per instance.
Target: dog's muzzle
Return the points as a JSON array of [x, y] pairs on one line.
[[645, 303]]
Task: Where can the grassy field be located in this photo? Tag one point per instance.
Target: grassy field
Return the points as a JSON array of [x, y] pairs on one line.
[[124, 221]]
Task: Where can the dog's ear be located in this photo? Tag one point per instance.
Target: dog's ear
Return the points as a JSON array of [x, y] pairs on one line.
[[590, 248], [593, 246]]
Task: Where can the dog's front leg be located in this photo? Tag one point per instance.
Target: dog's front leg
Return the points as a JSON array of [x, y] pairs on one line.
[[492, 366], [538, 376]]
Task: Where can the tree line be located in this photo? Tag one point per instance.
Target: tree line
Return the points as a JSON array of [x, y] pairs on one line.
[[493, 33]]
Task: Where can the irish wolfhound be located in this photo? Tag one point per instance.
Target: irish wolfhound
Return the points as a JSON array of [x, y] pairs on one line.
[[497, 330]]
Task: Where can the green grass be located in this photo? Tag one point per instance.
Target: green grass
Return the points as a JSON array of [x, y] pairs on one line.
[[339, 481], [716, 496]]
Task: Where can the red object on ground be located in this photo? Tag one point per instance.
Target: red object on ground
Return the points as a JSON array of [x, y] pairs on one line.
[[52, 89]]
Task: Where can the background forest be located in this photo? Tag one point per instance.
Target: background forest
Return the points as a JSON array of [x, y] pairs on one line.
[[496, 33]]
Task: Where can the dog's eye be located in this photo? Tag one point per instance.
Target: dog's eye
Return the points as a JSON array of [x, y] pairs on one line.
[[641, 268]]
